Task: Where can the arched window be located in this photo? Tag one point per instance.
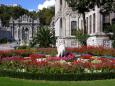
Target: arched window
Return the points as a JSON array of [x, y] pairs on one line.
[[73, 27], [25, 35]]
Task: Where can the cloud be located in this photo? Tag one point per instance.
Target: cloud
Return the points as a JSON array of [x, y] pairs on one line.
[[46, 4], [31, 10]]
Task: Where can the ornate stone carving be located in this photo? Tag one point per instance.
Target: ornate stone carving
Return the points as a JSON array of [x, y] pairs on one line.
[[16, 26]]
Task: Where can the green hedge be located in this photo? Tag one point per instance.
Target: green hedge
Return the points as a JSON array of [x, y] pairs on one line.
[[3, 41], [59, 77]]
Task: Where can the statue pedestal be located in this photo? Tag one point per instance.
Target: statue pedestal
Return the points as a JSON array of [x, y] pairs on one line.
[[99, 39]]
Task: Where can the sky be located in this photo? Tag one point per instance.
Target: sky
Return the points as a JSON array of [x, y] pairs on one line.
[[30, 4]]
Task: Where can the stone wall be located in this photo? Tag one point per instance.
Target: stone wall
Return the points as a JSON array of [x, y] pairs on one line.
[[5, 34]]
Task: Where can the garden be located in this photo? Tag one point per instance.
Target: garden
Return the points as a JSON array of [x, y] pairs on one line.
[[84, 63]]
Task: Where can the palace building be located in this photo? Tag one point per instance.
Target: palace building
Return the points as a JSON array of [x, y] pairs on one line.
[[67, 22]]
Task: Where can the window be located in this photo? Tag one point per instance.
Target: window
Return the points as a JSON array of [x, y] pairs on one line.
[[73, 27], [94, 23], [60, 2], [87, 24], [61, 23], [82, 25], [106, 19], [19, 33], [90, 26], [60, 5]]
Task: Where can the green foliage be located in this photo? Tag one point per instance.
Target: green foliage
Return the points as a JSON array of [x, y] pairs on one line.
[[24, 47], [110, 28], [3, 41], [45, 37], [45, 15], [81, 37], [7, 12], [59, 77]]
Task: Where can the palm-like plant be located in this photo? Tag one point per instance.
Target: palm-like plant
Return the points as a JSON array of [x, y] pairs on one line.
[[45, 37]]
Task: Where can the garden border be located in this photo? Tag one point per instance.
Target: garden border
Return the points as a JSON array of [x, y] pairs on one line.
[[57, 77]]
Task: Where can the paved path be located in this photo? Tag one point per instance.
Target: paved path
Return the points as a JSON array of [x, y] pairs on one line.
[[7, 46]]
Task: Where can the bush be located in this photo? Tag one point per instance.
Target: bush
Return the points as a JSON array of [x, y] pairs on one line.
[[23, 47], [59, 77], [81, 37], [113, 44], [49, 51], [3, 40], [10, 53]]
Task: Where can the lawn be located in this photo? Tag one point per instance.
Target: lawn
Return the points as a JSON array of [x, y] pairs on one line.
[[19, 82]]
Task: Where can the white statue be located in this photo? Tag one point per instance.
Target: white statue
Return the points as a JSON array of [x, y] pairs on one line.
[[60, 49]]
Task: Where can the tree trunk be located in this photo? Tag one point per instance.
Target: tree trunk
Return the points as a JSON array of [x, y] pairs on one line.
[[84, 21]]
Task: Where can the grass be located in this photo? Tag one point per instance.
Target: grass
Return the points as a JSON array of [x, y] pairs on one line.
[[20, 82]]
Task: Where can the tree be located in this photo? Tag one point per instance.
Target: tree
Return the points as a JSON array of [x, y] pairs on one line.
[[82, 38], [45, 15], [45, 37], [83, 6], [7, 12], [113, 36], [111, 29], [106, 6]]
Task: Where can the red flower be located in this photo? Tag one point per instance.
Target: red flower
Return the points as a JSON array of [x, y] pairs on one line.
[[86, 56], [37, 56]]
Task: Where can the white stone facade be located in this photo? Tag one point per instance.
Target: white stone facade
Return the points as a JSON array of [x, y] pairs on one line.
[[66, 19], [22, 29]]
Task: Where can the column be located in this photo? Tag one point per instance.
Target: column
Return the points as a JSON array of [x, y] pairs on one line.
[[21, 41], [61, 26], [68, 26], [98, 20], [57, 6], [92, 24], [64, 27]]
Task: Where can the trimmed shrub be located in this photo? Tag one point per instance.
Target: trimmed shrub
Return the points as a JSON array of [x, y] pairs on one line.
[[59, 77]]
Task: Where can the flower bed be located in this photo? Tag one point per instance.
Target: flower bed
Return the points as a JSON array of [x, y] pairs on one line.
[[10, 53], [60, 65], [99, 51], [26, 61]]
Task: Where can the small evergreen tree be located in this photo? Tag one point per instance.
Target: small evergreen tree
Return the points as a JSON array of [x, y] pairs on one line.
[[82, 38]]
